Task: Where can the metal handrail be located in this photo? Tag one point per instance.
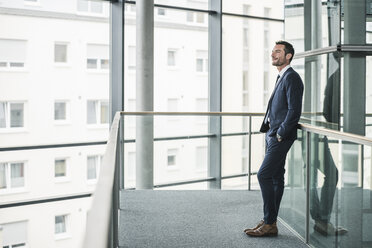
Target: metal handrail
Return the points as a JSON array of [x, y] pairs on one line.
[[337, 134]]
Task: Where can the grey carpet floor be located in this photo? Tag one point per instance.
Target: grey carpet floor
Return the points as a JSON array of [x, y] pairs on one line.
[[195, 219]]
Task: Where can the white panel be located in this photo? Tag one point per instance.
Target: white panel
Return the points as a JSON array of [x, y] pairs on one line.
[[98, 51], [15, 233], [12, 50]]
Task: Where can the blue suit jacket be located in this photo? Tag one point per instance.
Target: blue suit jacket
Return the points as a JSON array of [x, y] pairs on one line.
[[284, 107]]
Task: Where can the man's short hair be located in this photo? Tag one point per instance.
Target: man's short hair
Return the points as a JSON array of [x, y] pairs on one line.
[[288, 48]]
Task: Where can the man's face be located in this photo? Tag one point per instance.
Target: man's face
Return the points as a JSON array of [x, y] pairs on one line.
[[278, 56]]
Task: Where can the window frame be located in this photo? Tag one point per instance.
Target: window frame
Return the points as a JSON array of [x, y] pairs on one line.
[[8, 128], [98, 158], [66, 234], [175, 66], [67, 112], [98, 113], [8, 178], [67, 177], [175, 153], [89, 12], [8, 63], [67, 44], [99, 67]]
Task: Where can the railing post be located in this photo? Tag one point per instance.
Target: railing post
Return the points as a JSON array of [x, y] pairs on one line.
[[307, 221], [250, 152]]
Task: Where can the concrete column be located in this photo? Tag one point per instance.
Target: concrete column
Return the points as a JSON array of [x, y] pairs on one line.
[[354, 121], [354, 67], [145, 94]]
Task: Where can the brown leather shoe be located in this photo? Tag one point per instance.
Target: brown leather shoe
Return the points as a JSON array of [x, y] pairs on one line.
[[264, 231], [259, 224]]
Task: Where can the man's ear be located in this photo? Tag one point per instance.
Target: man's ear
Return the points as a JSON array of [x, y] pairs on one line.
[[288, 56]]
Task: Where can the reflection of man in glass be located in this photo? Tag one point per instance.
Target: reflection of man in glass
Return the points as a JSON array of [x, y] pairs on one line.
[[321, 208]]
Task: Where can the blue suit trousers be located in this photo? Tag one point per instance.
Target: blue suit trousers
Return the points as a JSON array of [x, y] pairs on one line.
[[271, 176]]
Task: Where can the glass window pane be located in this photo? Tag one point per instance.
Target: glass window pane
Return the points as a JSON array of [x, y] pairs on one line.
[[104, 112], [60, 224], [96, 7], [60, 53], [171, 58], [199, 65], [17, 64], [17, 176], [200, 17], [92, 63], [172, 154], [59, 111], [3, 114], [60, 168], [104, 64], [161, 11], [240, 45], [190, 16], [254, 8], [3, 175], [91, 112], [16, 115], [92, 167]]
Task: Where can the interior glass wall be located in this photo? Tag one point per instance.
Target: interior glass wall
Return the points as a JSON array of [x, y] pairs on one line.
[[54, 108], [250, 30]]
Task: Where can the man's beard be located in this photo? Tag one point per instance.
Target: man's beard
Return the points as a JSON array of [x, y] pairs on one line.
[[279, 62]]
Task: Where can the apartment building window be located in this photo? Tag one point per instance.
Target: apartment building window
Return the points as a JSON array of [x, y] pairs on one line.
[[12, 53], [201, 154], [201, 61], [161, 12], [14, 234], [130, 8], [60, 110], [195, 17], [11, 115], [97, 112], [12, 175], [94, 7], [172, 57], [60, 52], [61, 226], [97, 57], [93, 166], [131, 57], [60, 168], [172, 157]]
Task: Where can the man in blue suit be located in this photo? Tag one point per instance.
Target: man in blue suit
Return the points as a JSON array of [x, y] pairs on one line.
[[280, 125]]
